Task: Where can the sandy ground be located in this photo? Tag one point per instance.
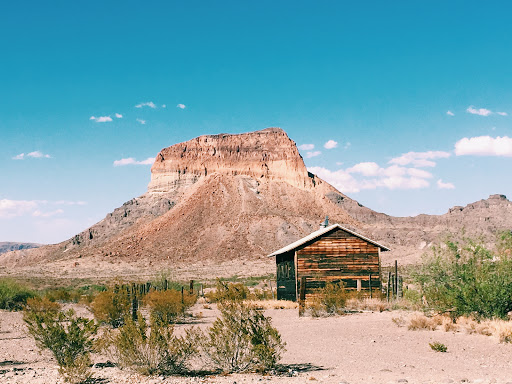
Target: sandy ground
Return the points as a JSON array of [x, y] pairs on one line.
[[357, 348]]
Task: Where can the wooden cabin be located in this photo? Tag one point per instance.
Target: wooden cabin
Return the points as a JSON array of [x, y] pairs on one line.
[[331, 254]]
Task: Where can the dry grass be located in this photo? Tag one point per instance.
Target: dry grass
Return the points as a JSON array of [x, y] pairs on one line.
[[500, 329], [367, 304], [418, 321], [273, 304]]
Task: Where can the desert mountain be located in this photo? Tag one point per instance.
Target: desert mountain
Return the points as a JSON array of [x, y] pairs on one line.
[[7, 246], [225, 198]]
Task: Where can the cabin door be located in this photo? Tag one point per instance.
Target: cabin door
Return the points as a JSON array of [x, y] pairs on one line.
[[286, 277]]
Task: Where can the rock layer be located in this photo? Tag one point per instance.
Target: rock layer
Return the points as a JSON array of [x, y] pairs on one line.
[[268, 154]]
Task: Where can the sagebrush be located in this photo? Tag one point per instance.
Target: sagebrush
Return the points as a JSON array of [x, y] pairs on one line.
[[111, 307], [225, 291], [150, 350], [242, 338], [169, 306], [330, 300], [69, 338]]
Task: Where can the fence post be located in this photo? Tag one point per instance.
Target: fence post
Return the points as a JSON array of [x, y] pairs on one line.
[[370, 286], [182, 298], [389, 285], [396, 279], [191, 287], [302, 295], [271, 290]]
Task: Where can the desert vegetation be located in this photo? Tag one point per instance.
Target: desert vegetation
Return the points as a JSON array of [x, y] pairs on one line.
[[138, 332]]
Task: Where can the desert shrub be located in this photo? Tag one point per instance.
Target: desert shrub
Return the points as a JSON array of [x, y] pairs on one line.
[[225, 291], [419, 321], [263, 294], [42, 305], [399, 321], [242, 338], [111, 307], [468, 279], [167, 306], [13, 295], [367, 304], [69, 338], [150, 351], [329, 300], [438, 347]]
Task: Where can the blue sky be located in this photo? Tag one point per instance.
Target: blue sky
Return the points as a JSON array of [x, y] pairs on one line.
[[381, 79]]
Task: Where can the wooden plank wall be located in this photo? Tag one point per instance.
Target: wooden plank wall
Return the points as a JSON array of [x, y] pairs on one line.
[[336, 256]]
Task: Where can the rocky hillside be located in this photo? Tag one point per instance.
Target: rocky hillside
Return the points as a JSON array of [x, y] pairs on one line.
[[236, 198]]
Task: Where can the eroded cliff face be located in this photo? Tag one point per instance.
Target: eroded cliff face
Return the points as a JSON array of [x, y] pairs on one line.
[[267, 154]]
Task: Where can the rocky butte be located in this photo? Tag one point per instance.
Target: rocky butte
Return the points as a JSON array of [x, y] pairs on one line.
[[220, 203]]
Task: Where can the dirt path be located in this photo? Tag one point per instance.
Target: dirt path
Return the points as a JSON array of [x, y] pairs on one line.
[[359, 348]]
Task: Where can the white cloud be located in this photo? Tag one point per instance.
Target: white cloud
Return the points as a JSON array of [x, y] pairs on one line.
[[141, 121], [38, 155], [181, 106], [309, 155], [331, 144], [442, 185], [35, 155], [502, 113], [366, 169], [15, 208], [481, 111], [369, 175], [132, 161], [101, 119], [149, 104], [67, 202], [420, 173], [420, 159], [347, 145], [38, 213], [119, 116], [450, 113], [484, 146], [164, 106], [307, 147]]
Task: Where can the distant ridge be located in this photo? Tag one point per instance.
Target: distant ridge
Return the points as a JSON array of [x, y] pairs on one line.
[[233, 199], [7, 246]]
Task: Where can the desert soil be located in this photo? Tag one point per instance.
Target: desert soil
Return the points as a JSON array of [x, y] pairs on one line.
[[358, 348]]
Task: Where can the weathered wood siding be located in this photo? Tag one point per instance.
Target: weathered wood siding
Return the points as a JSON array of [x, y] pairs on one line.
[[338, 256], [286, 286]]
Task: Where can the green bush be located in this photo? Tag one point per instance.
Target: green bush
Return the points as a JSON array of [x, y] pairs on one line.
[[466, 278], [241, 339], [438, 347], [168, 306], [111, 307], [69, 338], [225, 291], [13, 295], [150, 352]]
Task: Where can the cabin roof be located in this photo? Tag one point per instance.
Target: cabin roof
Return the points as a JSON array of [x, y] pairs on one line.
[[320, 232]]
